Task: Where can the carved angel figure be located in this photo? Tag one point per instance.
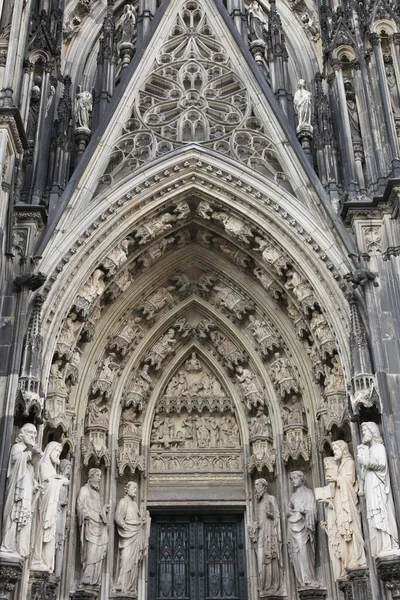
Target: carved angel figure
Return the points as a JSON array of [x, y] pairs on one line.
[[157, 301], [148, 231], [232, 301], [236, 227]]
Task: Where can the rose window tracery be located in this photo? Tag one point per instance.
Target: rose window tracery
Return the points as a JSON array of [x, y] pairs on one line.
[[192, 95]]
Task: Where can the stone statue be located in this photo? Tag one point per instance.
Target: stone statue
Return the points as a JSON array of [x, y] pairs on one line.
[[260, 425], [325, 496], [161, 349], [93, 523], [294, 413], [154, 303], [21, 486], [253, 393], [140, 389], [62, 525], [392, 85], [203, 210], [352, 111], [193, 364], [266, 532], [93, 287], [234, 226], [83, 109], [128, 24], [301, 515], [177, 386], [47, 509], [132, 542], [335, 378], [371, 455], [232, 301], [283, 375], [257, 22], [351, 542], [263, 335], [303, 106]]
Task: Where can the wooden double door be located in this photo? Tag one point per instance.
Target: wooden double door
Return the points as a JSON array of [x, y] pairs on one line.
[[197, 557]]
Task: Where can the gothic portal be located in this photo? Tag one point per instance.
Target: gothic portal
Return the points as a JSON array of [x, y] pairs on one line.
[[199, 350]]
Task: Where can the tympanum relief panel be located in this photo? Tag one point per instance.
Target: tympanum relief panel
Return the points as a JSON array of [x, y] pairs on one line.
[[194, 431]]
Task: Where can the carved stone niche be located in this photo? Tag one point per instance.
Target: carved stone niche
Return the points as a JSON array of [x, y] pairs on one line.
[[322, 334], [302, 291], [127, 337], [296, 441], [332, 409], [129, 440], [102, 384], [262, 443], [365, 394], [87, 295], [57, 398], [283, 375], [138, 394], [95, 443]]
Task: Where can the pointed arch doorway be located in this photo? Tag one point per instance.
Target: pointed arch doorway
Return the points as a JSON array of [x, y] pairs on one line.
[[197, 556]]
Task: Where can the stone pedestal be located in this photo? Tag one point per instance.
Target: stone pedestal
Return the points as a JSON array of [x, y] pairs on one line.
[[10, 574], [388, 568], [305, 135], [357, 586], [42, 585], [87, 592], [312, 593]]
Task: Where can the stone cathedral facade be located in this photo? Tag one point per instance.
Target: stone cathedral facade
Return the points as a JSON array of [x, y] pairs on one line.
[[200, 299]]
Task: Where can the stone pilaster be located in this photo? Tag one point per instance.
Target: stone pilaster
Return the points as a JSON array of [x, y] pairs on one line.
[[10, 575], [357, 586], [42, 585]]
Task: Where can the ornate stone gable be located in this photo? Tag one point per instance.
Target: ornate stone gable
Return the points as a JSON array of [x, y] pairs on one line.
[[193, 95]]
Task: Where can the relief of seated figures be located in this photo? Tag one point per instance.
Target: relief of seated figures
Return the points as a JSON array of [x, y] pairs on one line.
[[193, 430]]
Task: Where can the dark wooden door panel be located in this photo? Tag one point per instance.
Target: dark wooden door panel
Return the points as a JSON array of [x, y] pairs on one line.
[[197, 557]]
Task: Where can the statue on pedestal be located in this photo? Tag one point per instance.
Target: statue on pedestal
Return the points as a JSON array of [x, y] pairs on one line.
[[371, 455], [325, 496], [21, 486], [303, 106], [47, 509], [133, 537], [351, 542], [266, 532], [301, 515], [93, 523]]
